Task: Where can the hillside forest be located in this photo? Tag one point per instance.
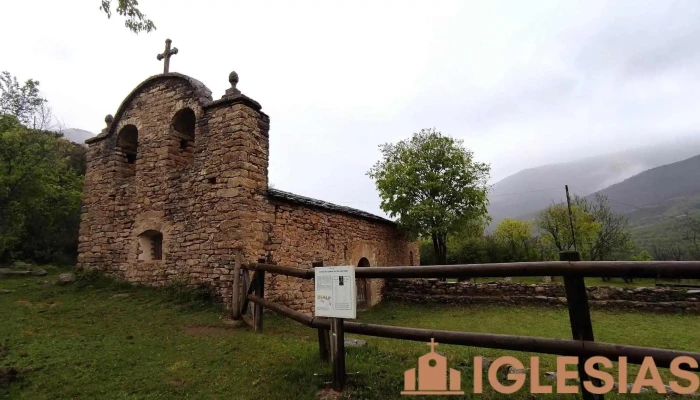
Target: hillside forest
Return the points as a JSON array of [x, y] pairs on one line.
[[652, 215]]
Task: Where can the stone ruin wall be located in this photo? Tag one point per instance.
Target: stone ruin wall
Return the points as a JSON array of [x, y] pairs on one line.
[[209, 200], [601, 297]]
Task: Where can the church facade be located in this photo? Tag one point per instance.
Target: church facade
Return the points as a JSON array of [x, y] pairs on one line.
[[177, 184]]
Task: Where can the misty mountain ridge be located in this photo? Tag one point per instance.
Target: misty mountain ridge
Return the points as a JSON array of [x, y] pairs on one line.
[[657, 203], [77, 135], [530, 190], [656, 186]]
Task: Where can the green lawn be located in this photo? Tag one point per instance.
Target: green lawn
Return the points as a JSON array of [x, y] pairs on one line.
[[121, 342]]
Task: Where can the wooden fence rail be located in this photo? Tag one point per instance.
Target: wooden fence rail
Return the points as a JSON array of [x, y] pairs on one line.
[[531, 344], [573, 271], [600, 269]]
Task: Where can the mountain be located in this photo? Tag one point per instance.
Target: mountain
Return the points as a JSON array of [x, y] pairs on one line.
[[77, 135], [657, 203], [530, 190], [660, 186]]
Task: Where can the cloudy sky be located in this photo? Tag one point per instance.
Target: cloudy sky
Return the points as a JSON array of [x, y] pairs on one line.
[[523, 83]]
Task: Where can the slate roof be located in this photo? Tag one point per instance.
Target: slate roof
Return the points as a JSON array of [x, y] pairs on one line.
[[308, 201]]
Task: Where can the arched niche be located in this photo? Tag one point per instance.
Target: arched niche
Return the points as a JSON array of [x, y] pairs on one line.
[[183, 128], [127, 148]]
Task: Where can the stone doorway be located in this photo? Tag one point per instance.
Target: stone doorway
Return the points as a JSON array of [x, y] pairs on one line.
[[363, 292]]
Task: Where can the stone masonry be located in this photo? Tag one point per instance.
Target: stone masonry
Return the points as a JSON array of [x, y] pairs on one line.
[[601, 297], [177, 183]]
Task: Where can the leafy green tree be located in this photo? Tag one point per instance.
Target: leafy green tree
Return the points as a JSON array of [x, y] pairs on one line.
[[40, 194], [642, 256], [553, 224], [689, 228], [600, 233], [136, 21], [516, 235], [41, 178], [433, 184], [24, 102], [465, 246], [612, 239]]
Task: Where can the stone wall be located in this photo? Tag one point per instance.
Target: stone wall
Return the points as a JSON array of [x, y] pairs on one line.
[[302, 235], [122, 199], [206, 192], [432, 290]]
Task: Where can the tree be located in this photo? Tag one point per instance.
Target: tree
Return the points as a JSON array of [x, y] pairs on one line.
[[690, 227], [41, 176], [136, 21], [670, 251], [464, 246], [516, 235], [24, 102], [553, 223], [612, 239], [40, 192], [642, 256], [433, 184], [600, 233]]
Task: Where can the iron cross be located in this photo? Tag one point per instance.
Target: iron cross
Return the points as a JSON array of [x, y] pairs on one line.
[[167, 54]]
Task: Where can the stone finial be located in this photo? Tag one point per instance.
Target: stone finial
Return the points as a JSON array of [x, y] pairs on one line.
[[233, 94], [108, 122], [233, 79]]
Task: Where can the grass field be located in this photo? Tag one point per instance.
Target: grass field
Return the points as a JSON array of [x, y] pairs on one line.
[[119, 342]]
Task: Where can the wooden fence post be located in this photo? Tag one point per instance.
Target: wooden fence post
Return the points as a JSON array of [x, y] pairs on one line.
[[580, 318], [245, 285], [235, 294], [323, 342], [338, 353], [323, 339], [258, 309], [250, 284]]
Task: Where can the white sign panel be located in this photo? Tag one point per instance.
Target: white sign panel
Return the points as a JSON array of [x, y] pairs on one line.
[[335, 292]]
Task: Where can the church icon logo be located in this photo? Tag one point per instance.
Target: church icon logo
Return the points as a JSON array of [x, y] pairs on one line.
[[432, 376]]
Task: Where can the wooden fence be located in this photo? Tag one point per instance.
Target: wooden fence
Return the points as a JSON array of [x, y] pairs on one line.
[[570, 268]]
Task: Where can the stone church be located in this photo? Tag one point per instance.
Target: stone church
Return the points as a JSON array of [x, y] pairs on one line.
[[177, 184]]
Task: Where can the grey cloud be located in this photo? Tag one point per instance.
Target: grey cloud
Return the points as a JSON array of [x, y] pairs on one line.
[[637, 38]]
